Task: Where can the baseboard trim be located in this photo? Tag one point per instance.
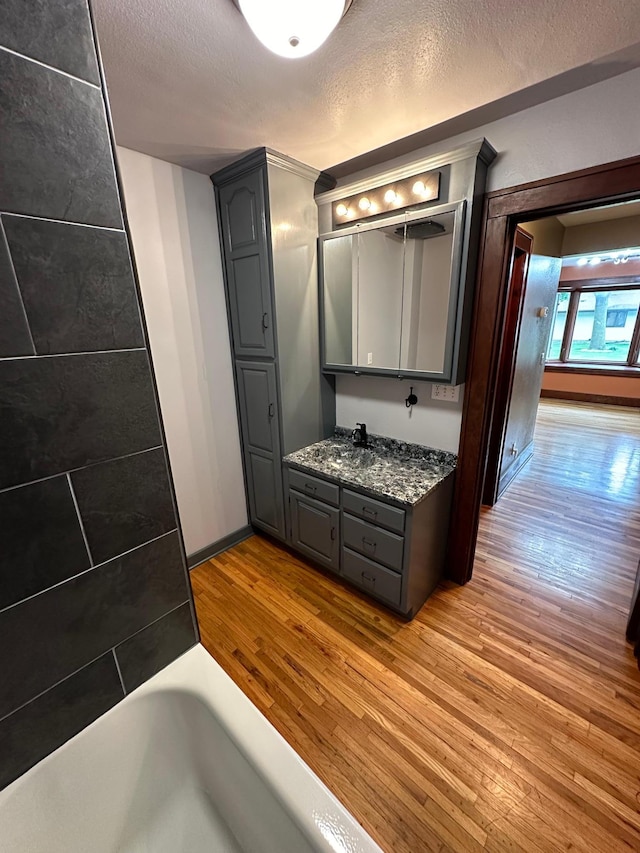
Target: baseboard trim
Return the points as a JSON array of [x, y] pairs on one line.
[[580, 397], [218, 547]]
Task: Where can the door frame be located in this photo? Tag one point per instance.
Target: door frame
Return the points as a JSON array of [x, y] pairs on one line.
[[503, 211]]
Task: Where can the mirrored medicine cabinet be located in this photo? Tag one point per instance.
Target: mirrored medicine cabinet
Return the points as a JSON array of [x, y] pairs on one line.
[[389, 294]]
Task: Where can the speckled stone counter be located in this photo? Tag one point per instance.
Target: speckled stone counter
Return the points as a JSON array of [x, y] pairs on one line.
[[387, 468]]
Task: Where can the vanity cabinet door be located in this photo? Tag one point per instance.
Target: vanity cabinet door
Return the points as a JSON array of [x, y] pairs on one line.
[[257, 395], [243, 222], [315, 529]]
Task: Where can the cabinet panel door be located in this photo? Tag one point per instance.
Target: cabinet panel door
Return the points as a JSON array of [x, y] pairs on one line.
[[314, 529], [243, 218], [264, 481], [261, 444], [258, 406]]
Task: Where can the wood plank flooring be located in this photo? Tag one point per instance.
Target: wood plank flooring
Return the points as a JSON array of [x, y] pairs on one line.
[[506, 716]]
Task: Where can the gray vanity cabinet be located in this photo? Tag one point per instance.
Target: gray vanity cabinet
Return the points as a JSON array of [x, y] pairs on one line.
[[268, 222], [257, 400], [242, 213], [395, 553]]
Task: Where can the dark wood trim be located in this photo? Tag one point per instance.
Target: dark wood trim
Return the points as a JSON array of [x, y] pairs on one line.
[[581, 397], [572, 191], [569, 326], [597, 369], [218, 547], [503, 211], [477, 407], [634, 346], [622, 282]]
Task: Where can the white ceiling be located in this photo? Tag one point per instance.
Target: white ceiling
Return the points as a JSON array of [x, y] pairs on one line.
[[189, 83], [600, 214]]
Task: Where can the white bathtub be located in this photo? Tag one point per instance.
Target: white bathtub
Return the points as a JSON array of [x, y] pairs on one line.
[[184, 764]]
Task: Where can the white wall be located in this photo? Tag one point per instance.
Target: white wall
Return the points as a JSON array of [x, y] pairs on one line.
[[175, 239], [595, 125], [379, 402]]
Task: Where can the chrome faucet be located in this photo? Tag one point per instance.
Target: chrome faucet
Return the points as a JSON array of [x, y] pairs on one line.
[[359, 435]]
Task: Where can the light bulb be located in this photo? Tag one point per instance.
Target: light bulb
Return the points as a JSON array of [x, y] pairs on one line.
[[390, 196], [419, 188], [291, 28], [594, 261], [341, 209], [364, 203], [582, 262]]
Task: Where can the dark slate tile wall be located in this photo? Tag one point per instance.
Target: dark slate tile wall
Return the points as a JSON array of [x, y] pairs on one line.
[[94, 593]]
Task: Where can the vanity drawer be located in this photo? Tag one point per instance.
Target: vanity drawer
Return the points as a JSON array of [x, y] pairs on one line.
[[371, 577], [373, 542], [373, 511], [314, 488]]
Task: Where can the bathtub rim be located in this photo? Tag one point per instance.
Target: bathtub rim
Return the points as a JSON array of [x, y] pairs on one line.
[[296, 786]]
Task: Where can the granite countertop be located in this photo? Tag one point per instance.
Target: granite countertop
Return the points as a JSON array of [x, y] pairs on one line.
[[385, 468]]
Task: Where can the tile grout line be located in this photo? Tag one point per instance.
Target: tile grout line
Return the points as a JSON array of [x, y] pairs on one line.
[[144, 628], [115, 657], [84, 572], [81, 468], [62, 221], [80, 522], [48, 67], [40, 356], [93, 660], [3, 237], [53, 686]]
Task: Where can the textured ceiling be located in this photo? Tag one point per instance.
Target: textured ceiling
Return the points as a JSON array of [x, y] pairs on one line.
[[189, 83]]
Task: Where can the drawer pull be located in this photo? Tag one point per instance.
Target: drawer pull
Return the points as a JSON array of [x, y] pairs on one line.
[[333, 534], [372, 513], [265, 320], [366, 577], [368, 544], [309, 487]]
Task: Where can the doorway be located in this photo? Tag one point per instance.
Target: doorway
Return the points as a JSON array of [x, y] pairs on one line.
[[504, 211], [572, 326]]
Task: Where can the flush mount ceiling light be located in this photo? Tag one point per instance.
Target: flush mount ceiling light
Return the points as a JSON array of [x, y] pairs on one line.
[[293, 28]]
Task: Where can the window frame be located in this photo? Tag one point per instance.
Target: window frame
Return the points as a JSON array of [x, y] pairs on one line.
[[595, 285]]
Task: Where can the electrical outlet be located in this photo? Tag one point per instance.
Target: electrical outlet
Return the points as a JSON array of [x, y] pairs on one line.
[[450, 393], [369, 358]]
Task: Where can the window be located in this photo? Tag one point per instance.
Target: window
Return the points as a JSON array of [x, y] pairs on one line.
[[596, 323]]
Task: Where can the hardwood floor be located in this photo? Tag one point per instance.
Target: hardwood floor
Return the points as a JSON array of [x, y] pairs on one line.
[[506, 716]]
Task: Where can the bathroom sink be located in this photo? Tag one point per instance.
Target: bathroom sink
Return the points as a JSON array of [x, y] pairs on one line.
[[341, 455]]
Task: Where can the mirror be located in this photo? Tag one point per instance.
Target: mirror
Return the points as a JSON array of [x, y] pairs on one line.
[[389, 293]]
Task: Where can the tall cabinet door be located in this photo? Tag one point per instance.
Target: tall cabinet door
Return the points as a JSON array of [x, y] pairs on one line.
[[242, 210], [257, 394]]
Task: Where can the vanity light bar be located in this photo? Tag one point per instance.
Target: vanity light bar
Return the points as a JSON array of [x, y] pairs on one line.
[[389, 198]]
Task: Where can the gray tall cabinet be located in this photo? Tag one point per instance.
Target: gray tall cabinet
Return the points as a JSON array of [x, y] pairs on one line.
[[268, 230]]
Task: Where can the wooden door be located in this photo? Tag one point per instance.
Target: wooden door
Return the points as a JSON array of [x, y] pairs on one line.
[[540, 288]]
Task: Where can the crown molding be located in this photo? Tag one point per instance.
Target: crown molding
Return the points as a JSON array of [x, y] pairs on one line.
[[477, 148]]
